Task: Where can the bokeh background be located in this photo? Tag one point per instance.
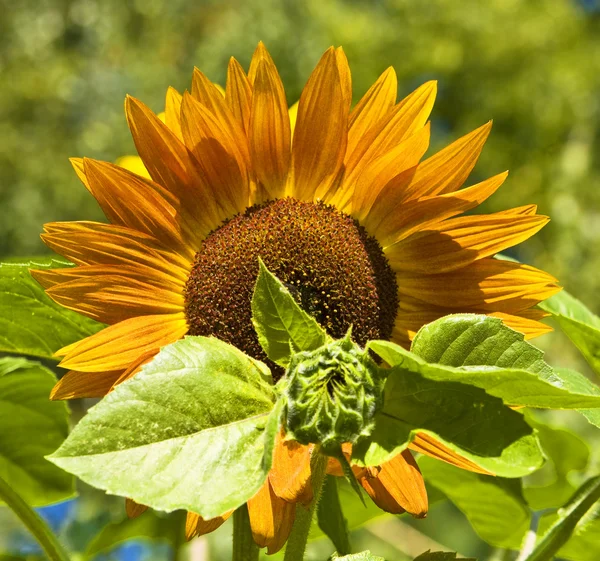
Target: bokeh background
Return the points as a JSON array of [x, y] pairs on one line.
[[531, 65]]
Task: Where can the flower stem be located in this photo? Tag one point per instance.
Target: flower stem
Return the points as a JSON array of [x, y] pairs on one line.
[[296, 544], [244, 547], [34, 523]]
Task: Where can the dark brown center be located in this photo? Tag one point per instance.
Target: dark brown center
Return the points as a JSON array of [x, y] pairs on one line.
[[333, 268]]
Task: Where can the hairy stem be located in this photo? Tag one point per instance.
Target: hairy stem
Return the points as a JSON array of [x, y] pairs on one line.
[[244, 547], [34, 523], [296, 544]]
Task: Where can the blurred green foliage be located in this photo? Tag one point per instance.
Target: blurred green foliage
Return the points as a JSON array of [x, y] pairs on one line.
[[532, 66]]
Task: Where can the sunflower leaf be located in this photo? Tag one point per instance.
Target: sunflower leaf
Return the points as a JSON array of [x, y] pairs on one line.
[[481, 351], [578, 323], [194, 430], [280, 322], [30, 322], [31, 426], [463, 418], [362, 556], [502, 519], [440, 556]]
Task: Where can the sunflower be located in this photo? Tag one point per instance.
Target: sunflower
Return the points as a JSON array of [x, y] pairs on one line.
[[339, 204]]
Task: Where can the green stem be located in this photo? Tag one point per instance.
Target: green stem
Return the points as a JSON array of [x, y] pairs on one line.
[[244, 547], [33, 522], [296, 543]]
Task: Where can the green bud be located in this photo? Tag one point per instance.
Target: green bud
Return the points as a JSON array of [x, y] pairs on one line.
[[332, 394]]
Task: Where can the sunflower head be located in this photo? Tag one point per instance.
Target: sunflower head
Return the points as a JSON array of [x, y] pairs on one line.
[[332, 394]]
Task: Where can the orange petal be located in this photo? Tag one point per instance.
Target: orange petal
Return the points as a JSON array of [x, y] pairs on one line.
[[345, 76], [218, 154], [170, 165], [525, 322], [117, 346], [487, 285], [238, 93], [290, 474], [95, 243], [111, 299], [321, 131], [403, 121], [133, 510], [130, 200], [447, 170], [173, 112], [457, 242], [83, 384], [77, 164], [271, 518], [426, 444], [195, 525], [392, 221], [397, 486], [207, 93], [135, 367], [373, 106], [379, 173], [260, 53], [269, 132]]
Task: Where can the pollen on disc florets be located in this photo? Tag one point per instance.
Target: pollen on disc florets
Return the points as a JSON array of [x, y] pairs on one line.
[[334, 269]]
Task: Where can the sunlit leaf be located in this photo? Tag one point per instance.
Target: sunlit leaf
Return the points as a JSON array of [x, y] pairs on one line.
[[578, 323], [494, 506], [481, 351], [362, 556], [193, 430], [31, 426], [30, 322], [280, 322]]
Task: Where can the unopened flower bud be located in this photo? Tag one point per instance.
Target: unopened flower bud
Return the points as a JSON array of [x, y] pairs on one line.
[[332, 394]]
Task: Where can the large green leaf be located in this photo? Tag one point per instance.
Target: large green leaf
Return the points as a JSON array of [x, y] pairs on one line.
[[331, 518], [30, 322], [280, 322], [466, 419], [565, 453], [494, 506], [149, 526], [362, 556], [193, 430], [578, 323], [31, 426], [481, 351], [568, 523]]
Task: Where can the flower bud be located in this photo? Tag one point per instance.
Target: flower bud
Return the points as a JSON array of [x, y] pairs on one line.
[[332, 394]]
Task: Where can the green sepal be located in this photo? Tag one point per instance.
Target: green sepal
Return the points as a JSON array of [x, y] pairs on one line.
[[281, 324], [194, 430]]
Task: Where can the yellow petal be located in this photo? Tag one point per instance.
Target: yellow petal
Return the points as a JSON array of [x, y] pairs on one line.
[[84, 384], [221, 161], [173, 112], [373, 106], [269, 133], [425, 444], [119, 345], [321, 131], [447, 170], [290, 474], [133, 510], [238, 93], [260, 53], [391, 221], [171, 166], [345, 76], [403, 121], [195, 525], [525, 322], [397, 486], [271, 518], [458, 242]]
